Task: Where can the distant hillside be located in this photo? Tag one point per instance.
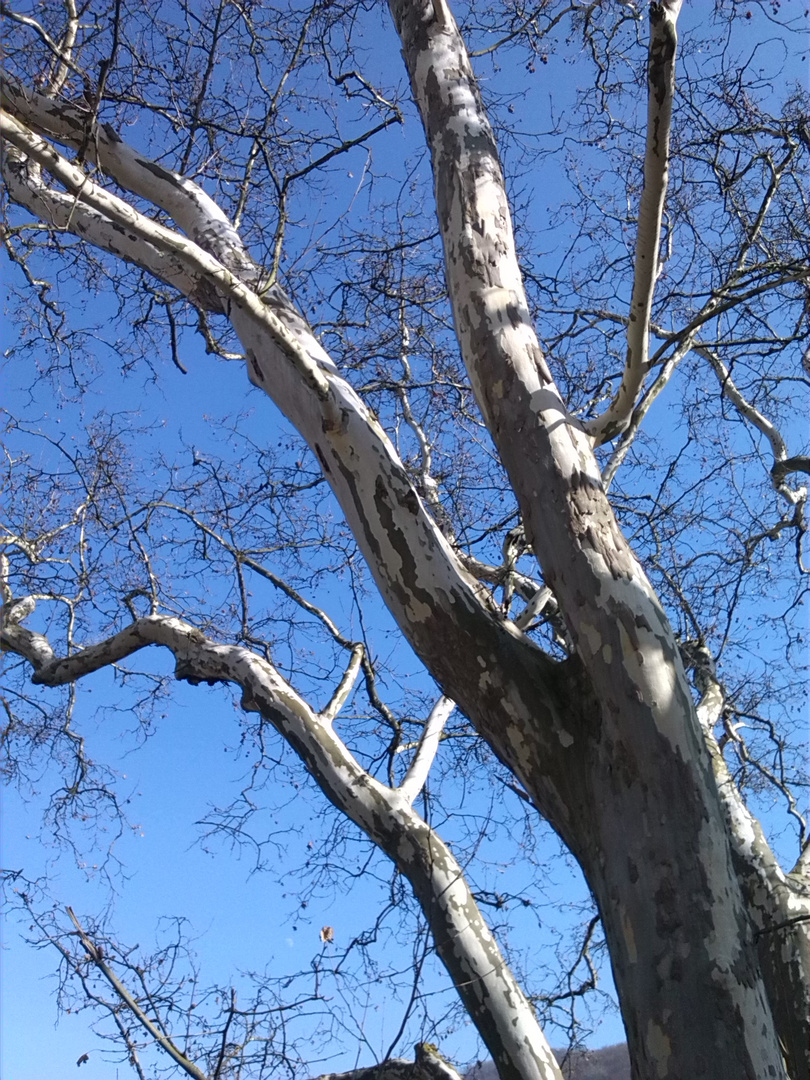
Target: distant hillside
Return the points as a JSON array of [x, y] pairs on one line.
[[609, 1063]]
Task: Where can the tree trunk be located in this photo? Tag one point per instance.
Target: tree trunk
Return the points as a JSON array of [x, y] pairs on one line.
[[607, 744], [648, 828]]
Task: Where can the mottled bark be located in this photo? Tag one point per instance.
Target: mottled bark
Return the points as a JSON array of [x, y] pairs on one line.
[[649, 831], [488, 989], [428, 1065], [608, 744], [778, 902], [451, 623]]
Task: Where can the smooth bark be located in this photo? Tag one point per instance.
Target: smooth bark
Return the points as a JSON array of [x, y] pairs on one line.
[[660, 90]]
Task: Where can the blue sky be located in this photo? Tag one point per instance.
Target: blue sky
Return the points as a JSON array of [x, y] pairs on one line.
[[241, 920]]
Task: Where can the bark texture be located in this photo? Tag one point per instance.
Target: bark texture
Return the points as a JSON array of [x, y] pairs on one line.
[[708, 939], [428, 1065], [649, 823], [491, 995]]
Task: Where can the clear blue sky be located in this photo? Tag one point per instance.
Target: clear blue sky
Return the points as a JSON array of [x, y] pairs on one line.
[[240, 920]]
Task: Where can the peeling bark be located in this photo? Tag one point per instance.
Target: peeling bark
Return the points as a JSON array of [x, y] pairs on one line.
[[429, 1065], [778, 903], [650, 834]]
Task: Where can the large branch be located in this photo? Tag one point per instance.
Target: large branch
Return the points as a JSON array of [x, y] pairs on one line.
[[449, 619], [194, 211], [68, 214], [660, 89], [778, 903], [489, 991], [644, 758], [586, 561], [206, 267]]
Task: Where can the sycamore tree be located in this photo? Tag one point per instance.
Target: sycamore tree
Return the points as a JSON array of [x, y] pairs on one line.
[[572, 463]]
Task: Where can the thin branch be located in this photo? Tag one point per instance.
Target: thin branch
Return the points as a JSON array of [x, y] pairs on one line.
[[660, 85], [419, 768], [96, 956], [345, 686], [778, 448]]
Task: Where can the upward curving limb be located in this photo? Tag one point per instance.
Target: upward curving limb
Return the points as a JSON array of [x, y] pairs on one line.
[[660, 89], [451, 621], [426, 749]]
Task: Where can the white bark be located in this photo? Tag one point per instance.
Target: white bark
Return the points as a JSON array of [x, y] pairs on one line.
[[429, 1065], [194, 211], [452, 623], [660, 89], [494, 1000], [778, 902], [67, 214], [647, 763], [415, 777], [345, 686], [758, 420], [607, 745]]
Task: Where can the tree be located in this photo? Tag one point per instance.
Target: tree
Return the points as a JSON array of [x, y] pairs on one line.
[[583, 696]]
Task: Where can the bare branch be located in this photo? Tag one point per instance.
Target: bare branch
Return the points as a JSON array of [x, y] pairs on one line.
[[465, 944], [96, 956], [345, 687], [661, 85], [416, 776]]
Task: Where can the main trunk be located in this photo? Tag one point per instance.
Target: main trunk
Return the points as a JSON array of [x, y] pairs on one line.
[[640, 809], [681, 944], [613, 757]]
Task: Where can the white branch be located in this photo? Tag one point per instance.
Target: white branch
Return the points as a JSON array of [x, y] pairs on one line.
[[194, 211], [67, 214], [778, 903], [345, 686], [756, 419], [480, 973], [660, 88], [120, 213], [641, 410], [61, 50], [419, 768], [65, 50], [534, 607], [419, 575]]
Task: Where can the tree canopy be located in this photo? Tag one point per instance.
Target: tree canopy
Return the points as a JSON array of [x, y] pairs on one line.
[[509, 568]]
